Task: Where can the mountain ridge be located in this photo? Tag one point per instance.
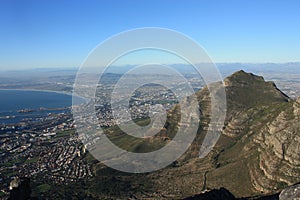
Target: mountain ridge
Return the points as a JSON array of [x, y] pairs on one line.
[[243, 158], [255, 156], [241, 161]]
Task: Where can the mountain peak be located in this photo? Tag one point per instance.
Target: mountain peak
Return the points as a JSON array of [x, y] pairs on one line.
[[248, 90], [242, 77]]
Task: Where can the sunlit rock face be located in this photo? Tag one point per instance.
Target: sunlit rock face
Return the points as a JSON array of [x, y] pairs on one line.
[[279, 146]]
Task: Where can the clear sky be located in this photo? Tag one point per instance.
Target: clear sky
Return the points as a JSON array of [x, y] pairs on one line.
[[58, 33]]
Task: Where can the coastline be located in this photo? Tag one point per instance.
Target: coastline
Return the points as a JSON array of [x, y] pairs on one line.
[[37, 90], [49, 91]]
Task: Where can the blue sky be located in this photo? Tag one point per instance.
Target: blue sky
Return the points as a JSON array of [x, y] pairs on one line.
[[60, 33]]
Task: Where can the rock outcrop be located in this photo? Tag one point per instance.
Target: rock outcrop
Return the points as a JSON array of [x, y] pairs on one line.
[[291, 193], [216, 194], [20, 189], [279, 146]]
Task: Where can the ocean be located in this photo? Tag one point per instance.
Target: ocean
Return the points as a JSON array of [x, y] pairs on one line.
[[17, 105]]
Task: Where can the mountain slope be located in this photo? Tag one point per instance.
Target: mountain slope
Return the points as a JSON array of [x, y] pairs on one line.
[[258, 151]]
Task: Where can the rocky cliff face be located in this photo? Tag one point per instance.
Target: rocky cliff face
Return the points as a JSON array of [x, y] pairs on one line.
[[259, 150], [279, 146], [263, 125]]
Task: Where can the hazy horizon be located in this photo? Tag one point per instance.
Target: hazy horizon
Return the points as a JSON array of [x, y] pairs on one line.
[[132, 65]]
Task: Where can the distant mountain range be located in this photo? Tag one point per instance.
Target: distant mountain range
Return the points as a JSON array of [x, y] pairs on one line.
[[285, 75]]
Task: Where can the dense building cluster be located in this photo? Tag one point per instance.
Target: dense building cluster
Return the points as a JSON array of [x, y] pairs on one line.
[[51, 151]]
